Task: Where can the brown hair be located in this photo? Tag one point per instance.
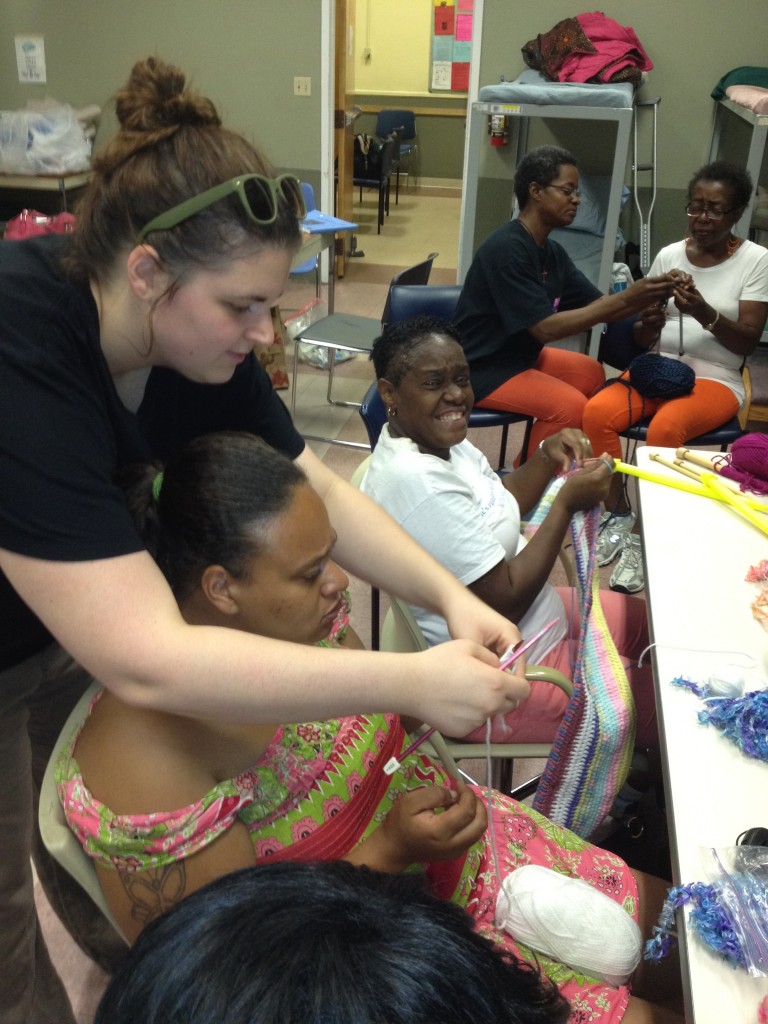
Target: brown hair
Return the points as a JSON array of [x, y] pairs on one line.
[[171, 146]]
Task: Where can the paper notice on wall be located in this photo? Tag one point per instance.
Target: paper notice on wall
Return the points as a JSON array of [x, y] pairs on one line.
[[30, 58], [441, 74]]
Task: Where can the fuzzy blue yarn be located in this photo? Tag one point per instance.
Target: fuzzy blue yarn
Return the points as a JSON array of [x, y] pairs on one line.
[[743, 720], [709, 917]]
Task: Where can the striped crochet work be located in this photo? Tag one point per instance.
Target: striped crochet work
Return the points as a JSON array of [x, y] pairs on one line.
[[592, 750]]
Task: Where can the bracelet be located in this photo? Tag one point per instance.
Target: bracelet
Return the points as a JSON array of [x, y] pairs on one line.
[[711, 327]]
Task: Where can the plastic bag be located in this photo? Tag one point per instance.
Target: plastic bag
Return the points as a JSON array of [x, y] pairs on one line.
[[741, 874], [314, 355], [46, 138], [729, 913]]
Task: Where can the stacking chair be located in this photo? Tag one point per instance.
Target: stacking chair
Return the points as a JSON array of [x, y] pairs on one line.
[[380, 180], [406, 301], [389, 120], [56, 834], [312, 265], [346, 332], [401, 632], [618, 349]]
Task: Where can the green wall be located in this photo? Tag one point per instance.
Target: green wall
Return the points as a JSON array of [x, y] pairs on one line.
[[243, 54], [691, 45]]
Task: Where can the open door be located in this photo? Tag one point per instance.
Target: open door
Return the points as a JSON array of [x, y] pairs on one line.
[[343, 121]]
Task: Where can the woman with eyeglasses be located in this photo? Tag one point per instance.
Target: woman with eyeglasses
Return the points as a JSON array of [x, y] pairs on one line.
[[719, 311], [120, 342], [522, 292]]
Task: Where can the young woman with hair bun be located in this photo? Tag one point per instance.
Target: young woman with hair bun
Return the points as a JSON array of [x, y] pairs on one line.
[[120, 342]]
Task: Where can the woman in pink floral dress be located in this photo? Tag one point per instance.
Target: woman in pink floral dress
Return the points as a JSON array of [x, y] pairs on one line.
[[164, 803]]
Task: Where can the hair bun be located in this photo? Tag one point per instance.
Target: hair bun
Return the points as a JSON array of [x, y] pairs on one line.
[[155, 99]]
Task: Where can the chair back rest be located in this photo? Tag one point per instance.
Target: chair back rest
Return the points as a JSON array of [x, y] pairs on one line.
[[387, 157], [401, 631], [373, 414], [389, 119], [617, 345], [743, 415], [407, 300], [309, 195], [56, 834], [417, 274]]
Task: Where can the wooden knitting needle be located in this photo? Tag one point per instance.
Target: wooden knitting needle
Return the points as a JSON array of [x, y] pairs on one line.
[[698, 474], [677, 465], [696, 459]]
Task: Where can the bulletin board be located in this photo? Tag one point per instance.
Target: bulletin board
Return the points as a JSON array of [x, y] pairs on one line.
[[452, 24]]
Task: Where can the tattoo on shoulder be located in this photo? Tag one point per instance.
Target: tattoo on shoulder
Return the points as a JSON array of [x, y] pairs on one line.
[[154, 891]]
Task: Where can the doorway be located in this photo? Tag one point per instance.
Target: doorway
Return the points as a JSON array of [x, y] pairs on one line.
[[389, 248]]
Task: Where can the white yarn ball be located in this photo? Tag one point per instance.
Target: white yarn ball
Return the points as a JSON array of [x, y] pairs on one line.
[[571, 922], [729, 682]]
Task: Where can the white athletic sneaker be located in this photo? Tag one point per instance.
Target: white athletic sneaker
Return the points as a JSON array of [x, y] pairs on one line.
[[629, 575], [612, 534]]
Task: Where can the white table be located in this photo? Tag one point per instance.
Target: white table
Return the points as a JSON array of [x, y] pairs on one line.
[[697, 554]]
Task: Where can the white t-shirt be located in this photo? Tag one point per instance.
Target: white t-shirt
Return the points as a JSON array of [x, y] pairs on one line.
[[744, 276], [458, 510]]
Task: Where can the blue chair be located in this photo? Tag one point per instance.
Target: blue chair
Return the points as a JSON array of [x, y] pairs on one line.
[[312, 265], [391, 120], [618, 349], [441, 300]]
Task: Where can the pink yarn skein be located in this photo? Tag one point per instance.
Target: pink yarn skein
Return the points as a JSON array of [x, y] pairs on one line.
[[747, 463]]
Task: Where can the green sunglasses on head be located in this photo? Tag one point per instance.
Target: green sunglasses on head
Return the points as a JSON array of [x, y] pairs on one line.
[[259, 195]]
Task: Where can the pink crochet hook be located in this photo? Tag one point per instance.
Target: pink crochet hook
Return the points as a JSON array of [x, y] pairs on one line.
[[509, 659]]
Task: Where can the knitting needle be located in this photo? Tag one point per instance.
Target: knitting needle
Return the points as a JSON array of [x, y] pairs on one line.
[[736, 501], [698, 460], [699, 473], [508, 658]]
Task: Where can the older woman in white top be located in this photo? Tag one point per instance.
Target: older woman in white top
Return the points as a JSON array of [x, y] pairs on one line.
[[442, 490]]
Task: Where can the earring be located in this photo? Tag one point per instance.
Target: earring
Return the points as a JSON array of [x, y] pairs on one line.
[[391, 411]]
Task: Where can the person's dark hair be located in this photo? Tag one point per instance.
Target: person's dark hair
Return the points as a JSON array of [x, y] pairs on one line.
[[395, 350], [541, 165], [215, 495], [736, 178], [170, 146], [322, 943]]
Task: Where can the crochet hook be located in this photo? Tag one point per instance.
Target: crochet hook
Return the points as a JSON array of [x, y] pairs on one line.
[[508, 658]]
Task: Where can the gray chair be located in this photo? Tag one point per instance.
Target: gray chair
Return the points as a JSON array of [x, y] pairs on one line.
[[56, 834], [345, 332], [400, 632]]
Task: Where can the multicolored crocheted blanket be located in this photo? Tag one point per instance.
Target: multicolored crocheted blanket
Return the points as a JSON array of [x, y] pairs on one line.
[[592, 750]]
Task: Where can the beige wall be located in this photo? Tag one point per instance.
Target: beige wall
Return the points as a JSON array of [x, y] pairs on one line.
[[692, 45], [242, 53]]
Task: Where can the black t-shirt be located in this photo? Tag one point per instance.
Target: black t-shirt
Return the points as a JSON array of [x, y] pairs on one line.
[[64, 432], [512, 284]]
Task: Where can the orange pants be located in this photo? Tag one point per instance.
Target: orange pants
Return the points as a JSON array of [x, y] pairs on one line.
[[674, 420], [554, 391]]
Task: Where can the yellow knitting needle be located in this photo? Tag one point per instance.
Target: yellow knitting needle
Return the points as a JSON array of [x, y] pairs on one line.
[[725, 494], [696, 474], [706, 489]]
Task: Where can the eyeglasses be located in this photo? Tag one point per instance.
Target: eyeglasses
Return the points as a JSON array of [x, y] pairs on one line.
[[695, 210], [568, 192], [260, 197]]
